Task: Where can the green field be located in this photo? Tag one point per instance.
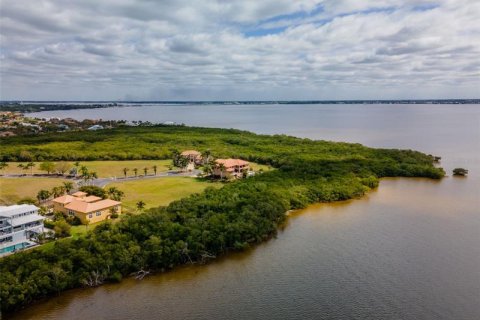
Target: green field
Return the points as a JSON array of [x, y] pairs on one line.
[[14, 189], [104, 169], [161, 191]]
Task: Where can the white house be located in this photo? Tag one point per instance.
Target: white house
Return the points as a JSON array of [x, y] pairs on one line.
[[18, 224]]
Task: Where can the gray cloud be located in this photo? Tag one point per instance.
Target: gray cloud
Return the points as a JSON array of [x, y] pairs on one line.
[[331, 49]]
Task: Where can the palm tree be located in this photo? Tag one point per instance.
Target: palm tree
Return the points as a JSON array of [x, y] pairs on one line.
[[93, 175], [84, 172], [155, 169], [22, 166], [76, 164], [125, 170], [207, 168], [43, 195], [183, 162], [57, 191], [145, 171], [206, 156], [68, 186], [135, 170], [115, 194], [4, 165], [175, 157], [140, 205], [30, 166], [222, 168]]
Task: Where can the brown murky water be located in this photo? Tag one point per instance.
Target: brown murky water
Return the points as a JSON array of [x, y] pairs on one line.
[[409, 250]]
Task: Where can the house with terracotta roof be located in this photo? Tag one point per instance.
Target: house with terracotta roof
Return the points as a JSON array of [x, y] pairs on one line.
[[193, 155], [89, 209], [230, 168]]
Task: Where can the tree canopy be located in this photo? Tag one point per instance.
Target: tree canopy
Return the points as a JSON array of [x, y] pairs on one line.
[[201, 226]]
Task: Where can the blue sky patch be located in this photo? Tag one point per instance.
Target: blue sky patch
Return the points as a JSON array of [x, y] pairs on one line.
[[425, 7]]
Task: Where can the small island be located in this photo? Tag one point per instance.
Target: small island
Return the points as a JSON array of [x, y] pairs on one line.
[[460, 172], [203, 225]]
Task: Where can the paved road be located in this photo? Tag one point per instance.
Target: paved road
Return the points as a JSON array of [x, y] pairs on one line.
[[102, 182]]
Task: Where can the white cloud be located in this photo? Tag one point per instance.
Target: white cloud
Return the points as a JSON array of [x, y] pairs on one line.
[[332, 49]]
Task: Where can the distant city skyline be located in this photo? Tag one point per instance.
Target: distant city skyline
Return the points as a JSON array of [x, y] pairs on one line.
[[239, 50]]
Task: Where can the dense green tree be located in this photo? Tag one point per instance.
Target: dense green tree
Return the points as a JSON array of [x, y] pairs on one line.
[[460, 172], [43, 195], [94, 191], [201, 226], [68, 186], [47, 166], [115, 194], [62, 229], [140, 205], [62, 167], [58, 191]]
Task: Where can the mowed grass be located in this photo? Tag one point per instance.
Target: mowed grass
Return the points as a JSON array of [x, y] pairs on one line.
[[160, 191], [104, 169], [256, 167], [14, 189]]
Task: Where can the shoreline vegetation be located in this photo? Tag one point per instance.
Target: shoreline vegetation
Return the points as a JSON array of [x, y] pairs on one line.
[[201, 226], [37, 106]]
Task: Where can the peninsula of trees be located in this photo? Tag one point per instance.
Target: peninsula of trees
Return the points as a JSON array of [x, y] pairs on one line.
[[201, 226]]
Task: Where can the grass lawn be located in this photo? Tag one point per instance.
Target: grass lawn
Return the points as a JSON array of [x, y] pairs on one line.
[[76, 231], [14, 189], [104, 169], [257, 167], [80, 230], [161, 191]]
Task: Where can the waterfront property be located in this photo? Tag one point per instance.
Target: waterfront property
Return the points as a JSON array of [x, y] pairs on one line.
[[89, 209], [231, 168], [19, 224]]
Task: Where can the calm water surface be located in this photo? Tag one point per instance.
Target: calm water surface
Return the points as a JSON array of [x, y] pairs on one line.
[[409, 250]]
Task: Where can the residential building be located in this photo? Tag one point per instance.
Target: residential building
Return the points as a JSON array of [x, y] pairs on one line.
[[231, 168], [18, 225], [89, 209], [193, 155]]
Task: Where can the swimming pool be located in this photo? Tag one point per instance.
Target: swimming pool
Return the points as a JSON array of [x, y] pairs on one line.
[[15, 247]]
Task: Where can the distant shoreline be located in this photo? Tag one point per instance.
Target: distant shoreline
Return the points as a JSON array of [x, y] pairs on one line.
[[38, 106]]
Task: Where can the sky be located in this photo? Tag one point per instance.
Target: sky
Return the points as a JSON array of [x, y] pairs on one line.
[[239, 49]]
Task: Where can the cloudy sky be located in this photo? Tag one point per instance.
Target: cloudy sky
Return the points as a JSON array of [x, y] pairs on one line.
[[239, 49]]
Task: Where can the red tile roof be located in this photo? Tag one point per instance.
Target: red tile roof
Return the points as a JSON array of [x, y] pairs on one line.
[[91, 199], [79, 194], [229, 163], [190, 153], [87, 207], [64, 199]]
